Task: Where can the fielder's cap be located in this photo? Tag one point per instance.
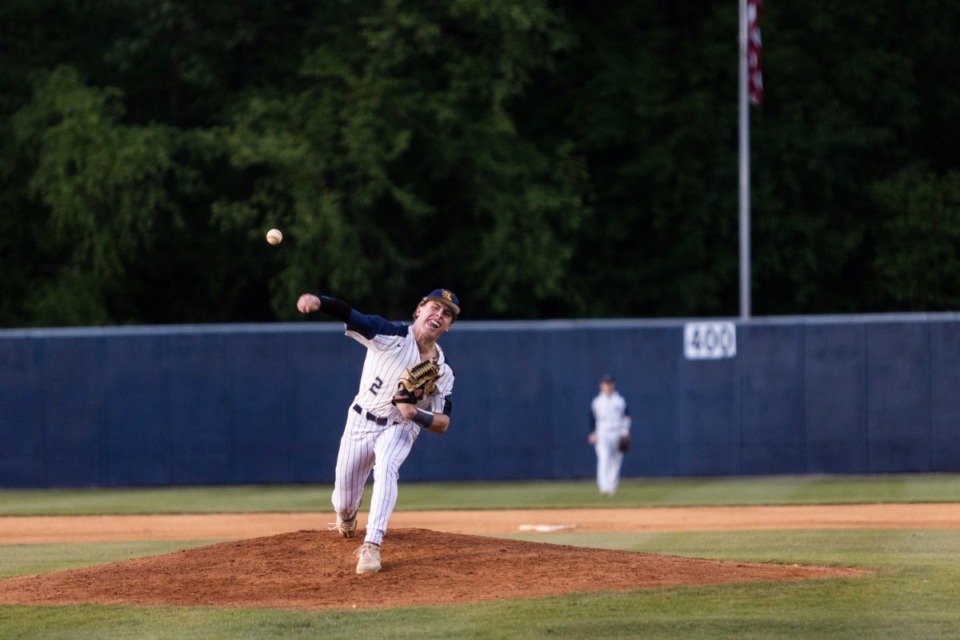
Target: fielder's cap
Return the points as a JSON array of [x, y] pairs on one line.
[[446, 297], [607, 379]]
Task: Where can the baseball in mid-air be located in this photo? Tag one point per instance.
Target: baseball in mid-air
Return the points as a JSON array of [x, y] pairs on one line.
[[274, 236]]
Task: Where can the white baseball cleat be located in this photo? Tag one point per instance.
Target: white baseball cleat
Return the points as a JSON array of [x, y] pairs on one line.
[[368, 558], [347, 528]]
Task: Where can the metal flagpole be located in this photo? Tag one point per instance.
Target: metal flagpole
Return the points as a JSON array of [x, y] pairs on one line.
[[744, 170]]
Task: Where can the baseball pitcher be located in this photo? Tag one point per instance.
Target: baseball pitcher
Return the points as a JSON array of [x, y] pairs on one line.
[[406, 386]]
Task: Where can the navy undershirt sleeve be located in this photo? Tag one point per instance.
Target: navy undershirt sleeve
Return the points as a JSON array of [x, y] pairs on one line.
[[335, 308], [367, 326], [371, 326]]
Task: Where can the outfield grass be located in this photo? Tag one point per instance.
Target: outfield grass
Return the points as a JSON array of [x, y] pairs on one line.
[[912, 594], [785, 490]]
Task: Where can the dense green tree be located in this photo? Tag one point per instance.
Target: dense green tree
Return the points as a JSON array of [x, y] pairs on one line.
[[839, 108], [652, 96], [545, 158], [398, 167], [917, 258], [114, 222]]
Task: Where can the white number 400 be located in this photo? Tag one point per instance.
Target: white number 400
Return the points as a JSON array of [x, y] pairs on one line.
[[709, 340]]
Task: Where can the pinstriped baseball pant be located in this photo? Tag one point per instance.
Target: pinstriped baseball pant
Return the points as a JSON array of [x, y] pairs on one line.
[[367, 446], [609, 460]]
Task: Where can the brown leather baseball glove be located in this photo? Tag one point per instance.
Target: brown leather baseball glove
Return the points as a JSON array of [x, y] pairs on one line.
[[417, 381]]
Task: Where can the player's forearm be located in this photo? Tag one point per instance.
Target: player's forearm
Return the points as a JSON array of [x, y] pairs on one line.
[[367, 326], [440, 423], [335, 308], [436, 422]]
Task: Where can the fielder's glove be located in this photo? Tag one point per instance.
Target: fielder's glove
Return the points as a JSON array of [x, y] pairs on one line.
[[417, 381], [624, 445]]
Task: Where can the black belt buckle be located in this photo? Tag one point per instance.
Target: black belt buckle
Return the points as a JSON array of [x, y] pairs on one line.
[[372, 418]]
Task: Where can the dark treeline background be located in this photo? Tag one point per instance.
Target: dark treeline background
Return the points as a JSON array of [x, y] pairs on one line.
[[544, 159]]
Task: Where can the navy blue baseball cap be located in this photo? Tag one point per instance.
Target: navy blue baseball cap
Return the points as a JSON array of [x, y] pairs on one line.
[[445, 296]]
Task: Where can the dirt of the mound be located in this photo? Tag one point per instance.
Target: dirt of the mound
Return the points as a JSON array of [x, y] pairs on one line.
[[313, 569]]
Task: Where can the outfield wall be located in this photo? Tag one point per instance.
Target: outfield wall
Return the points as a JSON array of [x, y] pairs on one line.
[[228, 404]]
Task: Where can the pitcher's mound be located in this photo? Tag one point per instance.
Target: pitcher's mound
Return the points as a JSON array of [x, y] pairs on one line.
[[316, 570]]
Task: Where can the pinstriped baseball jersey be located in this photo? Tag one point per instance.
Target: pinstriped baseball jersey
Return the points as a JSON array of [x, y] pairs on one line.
[[391, 350]]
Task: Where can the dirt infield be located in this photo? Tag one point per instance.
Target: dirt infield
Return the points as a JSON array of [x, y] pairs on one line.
[[26, 530], [439, 557]]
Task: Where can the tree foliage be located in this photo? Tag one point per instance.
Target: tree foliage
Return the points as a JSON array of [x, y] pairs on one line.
[[543, 159]]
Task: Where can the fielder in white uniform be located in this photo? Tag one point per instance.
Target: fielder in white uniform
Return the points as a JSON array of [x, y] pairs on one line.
[[379, 434], [609, 420]]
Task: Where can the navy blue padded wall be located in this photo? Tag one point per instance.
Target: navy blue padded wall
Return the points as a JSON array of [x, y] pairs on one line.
[[136, 411], [522, 401], [898, 397], [708, 417], [243, 404], [649, 385], [575, 359], [499, 415], [572, 387], [636, 360], [771, 374], [517, 413], [261, 409], [74, 399], [835, 398], [21, 415], [200, 436], [465, 450], [261, 406], [944, 396]]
